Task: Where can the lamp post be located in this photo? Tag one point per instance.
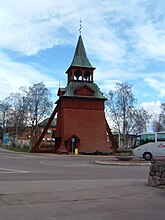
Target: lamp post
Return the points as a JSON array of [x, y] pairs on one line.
[[73, 141]]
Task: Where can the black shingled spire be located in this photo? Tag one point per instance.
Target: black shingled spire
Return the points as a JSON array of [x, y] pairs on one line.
[[80, 58]]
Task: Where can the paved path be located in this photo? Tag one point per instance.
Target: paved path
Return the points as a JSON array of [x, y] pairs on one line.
[[52, 187]]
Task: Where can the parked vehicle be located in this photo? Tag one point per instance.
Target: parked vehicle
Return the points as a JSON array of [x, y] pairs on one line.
[[150, 145]]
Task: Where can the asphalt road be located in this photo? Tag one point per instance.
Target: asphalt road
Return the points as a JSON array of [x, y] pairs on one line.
[[41, 187]]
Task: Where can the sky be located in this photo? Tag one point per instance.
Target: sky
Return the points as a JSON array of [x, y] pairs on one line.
[[124, 40]]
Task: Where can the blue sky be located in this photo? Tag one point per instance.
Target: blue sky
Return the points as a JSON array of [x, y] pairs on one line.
[[124, 40]]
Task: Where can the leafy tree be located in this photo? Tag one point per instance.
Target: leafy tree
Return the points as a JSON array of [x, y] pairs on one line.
[[159, 125], [18, 114], [4, 114], [26, 108], [39, 104], [1, 133], [127, 118]]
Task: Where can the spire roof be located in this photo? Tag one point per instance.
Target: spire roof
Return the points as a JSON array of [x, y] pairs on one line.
[[80, 58]]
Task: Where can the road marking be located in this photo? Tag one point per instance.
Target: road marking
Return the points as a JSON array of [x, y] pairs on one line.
[[70, 164], [5, 170]]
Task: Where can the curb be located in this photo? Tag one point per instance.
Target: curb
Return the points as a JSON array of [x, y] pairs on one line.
[[116, 163]]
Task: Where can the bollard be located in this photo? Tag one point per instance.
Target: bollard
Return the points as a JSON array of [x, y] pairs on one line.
[[76, 151]]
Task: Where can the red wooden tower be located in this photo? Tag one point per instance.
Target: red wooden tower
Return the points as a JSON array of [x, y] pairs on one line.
[[80, 113]]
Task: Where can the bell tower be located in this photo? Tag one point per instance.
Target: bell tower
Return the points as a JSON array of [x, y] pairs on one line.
[[80, 122], [80, 109]]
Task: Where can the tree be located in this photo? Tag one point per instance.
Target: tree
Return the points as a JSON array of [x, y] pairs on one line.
[[159, 125], [162, 115], [1, 133], [4, 114], [39, 104], [127, 119], [13, 115], [18, 114], [25, 109], [138, 120]]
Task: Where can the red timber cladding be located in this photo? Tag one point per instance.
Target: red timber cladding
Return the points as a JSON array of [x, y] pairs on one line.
[[83, 103], [85, 119]]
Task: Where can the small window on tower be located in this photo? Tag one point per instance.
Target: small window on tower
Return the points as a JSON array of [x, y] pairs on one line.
[[78, 75], [87, 76]]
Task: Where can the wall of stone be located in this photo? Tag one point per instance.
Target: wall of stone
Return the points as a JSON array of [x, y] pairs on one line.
[[157, 173]]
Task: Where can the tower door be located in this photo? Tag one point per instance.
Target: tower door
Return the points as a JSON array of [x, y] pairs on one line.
[[71, 143]]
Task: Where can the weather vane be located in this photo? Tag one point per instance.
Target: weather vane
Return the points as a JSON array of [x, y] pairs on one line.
[[80, 26]]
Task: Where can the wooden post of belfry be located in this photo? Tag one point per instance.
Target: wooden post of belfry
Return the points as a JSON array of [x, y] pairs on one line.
[[114, 146], [37, 144]]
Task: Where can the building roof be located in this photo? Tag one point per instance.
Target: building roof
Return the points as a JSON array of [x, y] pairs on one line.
[[73, 86], [80, 58], [45, 121]]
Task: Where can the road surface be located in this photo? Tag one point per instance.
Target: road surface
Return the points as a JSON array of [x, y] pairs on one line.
[[48, 187]]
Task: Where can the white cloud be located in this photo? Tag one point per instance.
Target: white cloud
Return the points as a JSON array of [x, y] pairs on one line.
[[150, 41], [106, 46], [157, 84], [29, 26], [119, 35], [107, 77], [153, 108], [142, 22], [14, 75]]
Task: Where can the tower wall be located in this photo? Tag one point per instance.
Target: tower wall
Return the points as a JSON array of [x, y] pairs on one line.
[[84, 118]]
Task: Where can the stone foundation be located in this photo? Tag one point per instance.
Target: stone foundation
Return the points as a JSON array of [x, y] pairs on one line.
[[157, 173]]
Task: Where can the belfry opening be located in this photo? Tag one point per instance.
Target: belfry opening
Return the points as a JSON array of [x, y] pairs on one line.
[[80, 118]]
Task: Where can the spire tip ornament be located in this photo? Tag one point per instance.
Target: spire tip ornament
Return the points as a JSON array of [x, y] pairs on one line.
[[80, 26]]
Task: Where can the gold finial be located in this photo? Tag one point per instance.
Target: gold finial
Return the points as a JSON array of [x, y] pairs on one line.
[[80, 26]]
